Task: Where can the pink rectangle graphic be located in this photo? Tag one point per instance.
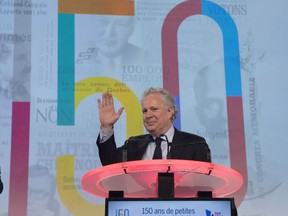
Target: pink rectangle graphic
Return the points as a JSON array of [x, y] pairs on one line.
[[19, 158], [237, 143]]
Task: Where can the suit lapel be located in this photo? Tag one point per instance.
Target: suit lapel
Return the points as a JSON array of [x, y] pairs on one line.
[[177, 140], [139, 147]]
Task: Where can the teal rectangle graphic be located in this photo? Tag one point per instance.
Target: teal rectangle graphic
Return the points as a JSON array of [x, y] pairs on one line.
[[66, 69]]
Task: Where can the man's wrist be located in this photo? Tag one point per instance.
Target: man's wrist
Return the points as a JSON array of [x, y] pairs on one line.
[[106, 133], [108, 127]]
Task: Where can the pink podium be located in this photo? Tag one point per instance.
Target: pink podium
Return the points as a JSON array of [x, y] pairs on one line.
[[138, 179]]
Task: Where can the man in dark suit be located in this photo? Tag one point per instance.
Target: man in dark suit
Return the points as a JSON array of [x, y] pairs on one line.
[[1, 183], [159, 112]]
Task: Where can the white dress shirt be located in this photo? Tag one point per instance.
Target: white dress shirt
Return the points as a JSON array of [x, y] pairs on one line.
[[148, 155]]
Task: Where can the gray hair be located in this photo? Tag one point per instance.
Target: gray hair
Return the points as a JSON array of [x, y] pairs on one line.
[[167, 97]]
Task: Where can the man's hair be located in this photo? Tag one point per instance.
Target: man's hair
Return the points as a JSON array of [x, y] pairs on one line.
[[167, 97]]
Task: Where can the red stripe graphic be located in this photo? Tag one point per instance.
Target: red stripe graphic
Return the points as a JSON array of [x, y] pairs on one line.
[[237, 140], [170, 44], [19, 158]]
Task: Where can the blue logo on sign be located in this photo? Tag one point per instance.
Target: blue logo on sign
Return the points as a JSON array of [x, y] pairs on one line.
[[209, 213]]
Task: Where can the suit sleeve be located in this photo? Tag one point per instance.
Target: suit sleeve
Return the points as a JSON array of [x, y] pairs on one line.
[[189, 146], [108, 151], [201, 150], [203, 153]]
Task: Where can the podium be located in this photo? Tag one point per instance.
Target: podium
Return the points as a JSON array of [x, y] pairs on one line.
[[140, 179]]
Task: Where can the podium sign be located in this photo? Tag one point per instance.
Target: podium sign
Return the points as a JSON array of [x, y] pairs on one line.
[[172, 207]]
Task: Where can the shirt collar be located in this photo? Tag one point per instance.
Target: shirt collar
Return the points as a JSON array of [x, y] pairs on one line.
[[170, 133]]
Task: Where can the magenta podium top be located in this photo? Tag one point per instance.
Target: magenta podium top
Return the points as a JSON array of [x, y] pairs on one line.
[[138, 179]]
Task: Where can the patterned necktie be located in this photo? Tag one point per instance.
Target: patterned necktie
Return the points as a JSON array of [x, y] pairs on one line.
[[158, 150]]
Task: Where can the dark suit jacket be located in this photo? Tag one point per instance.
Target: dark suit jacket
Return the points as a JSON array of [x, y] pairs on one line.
[[185, 146]]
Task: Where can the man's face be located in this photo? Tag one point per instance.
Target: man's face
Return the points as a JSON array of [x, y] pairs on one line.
[[6, 64], [22, 69], [209, 88], [112, 33], [15, 68], [156, 115], [39, 195]]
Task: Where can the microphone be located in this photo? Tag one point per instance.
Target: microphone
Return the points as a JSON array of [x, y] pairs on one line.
[[169, 144], [124, 151], [133, 138], [192, 143], [1, 183]]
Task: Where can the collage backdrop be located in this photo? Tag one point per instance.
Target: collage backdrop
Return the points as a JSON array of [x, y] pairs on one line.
[[225, 61]]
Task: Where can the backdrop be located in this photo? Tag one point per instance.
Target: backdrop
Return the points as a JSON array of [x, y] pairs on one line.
[[224, 60]]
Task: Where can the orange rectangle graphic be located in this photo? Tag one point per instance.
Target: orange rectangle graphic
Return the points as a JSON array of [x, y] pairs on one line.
[[105, 7]]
